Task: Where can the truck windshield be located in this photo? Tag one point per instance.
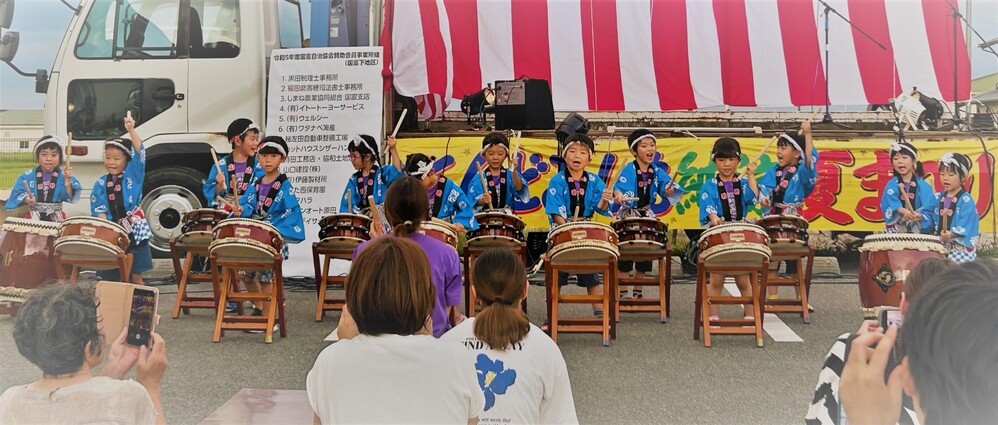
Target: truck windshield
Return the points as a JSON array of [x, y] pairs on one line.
[[129, 29], [289, 23]]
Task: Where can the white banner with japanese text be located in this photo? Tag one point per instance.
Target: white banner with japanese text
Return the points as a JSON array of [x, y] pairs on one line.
[[317, 100]]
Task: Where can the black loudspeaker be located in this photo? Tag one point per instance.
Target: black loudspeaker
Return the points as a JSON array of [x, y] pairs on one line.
[[524, 105], [537, 245]]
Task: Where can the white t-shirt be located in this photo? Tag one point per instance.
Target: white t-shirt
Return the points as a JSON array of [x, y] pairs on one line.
[[525, 384], [97, 400], [394, 379]]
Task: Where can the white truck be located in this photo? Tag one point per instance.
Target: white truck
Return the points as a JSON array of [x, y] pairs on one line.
[[184, 68]]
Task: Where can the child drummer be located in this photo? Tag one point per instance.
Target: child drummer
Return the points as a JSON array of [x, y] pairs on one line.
[[117, 195], [727, 198], [447, 201], [272, 200], [958, 221], [784, 187], [576, 194], [370, 178], [642, 179], [240, 165], [908, 203], [505, 185], [45, 187]]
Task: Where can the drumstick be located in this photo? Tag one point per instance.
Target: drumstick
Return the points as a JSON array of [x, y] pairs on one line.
[[673, 181], [374, 209], [516, 149], [224, 202], [904, 193], [349, 201], [632, 199], [481, 170], [128, 113], [813, 116], [764, 148], [69, 150], [398, 125], [235, 188], [28, 187], [218, 167]]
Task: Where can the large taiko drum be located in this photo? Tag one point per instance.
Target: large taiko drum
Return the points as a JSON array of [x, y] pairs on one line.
[[497, 228], [245, 240], [583, 242], [27, 256], [439, 230], [786, 232], [885, 261], [734, 244], [641, 234], [91, 239], [344, 231], [199, 225]]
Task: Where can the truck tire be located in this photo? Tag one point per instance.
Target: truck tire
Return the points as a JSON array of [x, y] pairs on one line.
[[169, 194]]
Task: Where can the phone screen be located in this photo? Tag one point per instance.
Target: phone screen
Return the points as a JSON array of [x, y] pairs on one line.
[[888, 317], [141, 317]]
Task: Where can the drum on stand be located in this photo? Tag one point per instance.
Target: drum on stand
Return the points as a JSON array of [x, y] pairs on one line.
[[583, 242], [497, 228], [439, 230], [27, 256], [245, 240], [786, 232], [344, 231], [734, 244], [885, 261], [199, 225], [641, 235], [91, 240]]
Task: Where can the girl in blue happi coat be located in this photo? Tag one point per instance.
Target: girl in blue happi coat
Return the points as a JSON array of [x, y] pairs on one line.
[[447, 201], [958, 220], [727, 198], [644, 180], [505, 185], [917, 213], [272, 200], [45, 187], [370, 178], [240, 165], [575, 193], [117, 196]]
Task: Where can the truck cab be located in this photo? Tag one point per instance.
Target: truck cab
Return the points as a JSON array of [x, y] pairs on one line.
[[184, 69]]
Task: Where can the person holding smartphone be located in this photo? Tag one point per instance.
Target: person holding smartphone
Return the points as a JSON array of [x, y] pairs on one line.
[[825, 406], [57, 330]]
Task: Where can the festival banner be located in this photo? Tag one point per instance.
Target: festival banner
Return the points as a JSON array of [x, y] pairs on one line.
[[852, 174]]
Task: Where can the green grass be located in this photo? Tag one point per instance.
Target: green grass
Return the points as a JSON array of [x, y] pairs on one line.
[[13, 164]]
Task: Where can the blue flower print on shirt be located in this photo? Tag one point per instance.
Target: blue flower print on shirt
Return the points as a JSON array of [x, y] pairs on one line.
[[493, 378]]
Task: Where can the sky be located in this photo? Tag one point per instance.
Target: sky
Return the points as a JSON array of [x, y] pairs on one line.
[[42, 24]]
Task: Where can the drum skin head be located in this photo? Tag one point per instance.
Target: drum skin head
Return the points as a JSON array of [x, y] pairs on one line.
[[198, 238], [75, 248], [493, 241], [243, 250]]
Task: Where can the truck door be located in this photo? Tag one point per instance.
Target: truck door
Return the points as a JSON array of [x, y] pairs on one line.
[[129, 56]]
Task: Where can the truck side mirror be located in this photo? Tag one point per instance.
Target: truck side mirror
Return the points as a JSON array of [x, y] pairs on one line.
[[41, 81], [8, 45], [6, 13]]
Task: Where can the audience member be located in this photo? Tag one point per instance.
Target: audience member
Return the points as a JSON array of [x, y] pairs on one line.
[[948, 358], [393, 370], [520, 369], [57, 330]]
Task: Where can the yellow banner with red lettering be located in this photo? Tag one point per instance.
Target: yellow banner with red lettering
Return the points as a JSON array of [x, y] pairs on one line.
[[852, 174]]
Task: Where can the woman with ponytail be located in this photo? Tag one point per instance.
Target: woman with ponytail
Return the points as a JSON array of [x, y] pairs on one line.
[[520, 369], [406, 206]]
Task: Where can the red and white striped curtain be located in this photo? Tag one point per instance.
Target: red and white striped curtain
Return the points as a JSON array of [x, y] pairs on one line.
[[651, 55]]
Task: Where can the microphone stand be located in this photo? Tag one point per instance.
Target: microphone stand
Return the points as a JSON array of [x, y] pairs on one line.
[[957, 17], [827, 119]]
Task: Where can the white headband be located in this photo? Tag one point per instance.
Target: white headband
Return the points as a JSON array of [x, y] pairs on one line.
[[360, 141], [786, 137], [275, 146], [950, 159], [572, 143], [252, 126], [116, 143], [646, 136], [423, 170], [47, 140], [897, 147]]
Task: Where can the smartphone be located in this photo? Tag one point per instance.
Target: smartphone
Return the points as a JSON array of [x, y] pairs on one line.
[[141, 316], [889, 316]]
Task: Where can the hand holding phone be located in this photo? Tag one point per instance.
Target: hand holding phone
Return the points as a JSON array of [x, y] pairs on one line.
[[142, 316], [889, 316]]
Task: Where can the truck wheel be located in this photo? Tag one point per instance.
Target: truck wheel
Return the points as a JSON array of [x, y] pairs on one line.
[[171, 192]]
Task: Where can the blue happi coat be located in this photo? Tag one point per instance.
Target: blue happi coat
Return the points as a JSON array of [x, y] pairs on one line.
[[131, 190], [284, 212], [383, 177], [923, 201], [210, 185], [558, 199], [627, 183], [19, 193], [710, 200], [454, 205], [797, 187], [476, 190], [961, 220]]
